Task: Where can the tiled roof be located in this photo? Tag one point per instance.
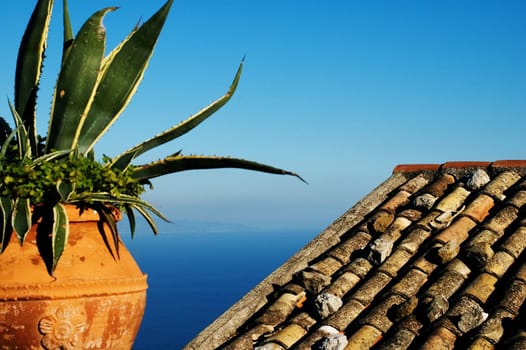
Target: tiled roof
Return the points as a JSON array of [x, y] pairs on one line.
[[433, 258]]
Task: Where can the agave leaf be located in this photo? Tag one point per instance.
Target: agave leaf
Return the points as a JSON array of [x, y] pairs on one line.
[[148, 218], [50, 156], [68, 31], [183, 163], [21, 218], [108, 218], [104, 197], [139, 203], [121, 76], [29, 66], [24, 147], [59, 233], [76, 83], [65, 189], [131, 218], [6, 207], [123, 160]]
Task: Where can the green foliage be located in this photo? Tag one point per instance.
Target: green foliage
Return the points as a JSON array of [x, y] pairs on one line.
[[38, 182], [39, 175]]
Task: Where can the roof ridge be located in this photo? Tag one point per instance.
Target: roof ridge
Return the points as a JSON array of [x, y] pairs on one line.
[[419, 167]]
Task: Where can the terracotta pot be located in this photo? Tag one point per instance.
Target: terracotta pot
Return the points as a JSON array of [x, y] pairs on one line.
[[93, 301]]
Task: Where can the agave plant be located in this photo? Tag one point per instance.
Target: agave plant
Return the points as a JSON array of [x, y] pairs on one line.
[[41, 175]]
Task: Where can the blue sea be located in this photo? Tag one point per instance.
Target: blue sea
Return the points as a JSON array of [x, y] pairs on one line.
[[194, 277]]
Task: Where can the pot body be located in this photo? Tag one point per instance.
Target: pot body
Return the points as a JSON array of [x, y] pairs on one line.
[[93, 300]]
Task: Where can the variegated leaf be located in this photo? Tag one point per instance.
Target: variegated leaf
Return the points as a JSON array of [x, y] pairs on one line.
[[107, 218], [59, 233], [131, 218], [29, 66], [123, 160], [21, 218], [77, 83], [183, 163], [121, 76], [65, 189], [24, 143], [148, 218], [49, 156], [104, 197], [68, 31], [6, 207]]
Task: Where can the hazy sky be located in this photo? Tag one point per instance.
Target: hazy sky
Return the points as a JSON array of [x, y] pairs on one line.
[[338, 91]]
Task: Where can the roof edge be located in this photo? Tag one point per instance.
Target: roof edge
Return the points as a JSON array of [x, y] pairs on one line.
[[517, 164]]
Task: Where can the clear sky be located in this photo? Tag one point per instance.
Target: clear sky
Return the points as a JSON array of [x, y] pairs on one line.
[[339, 91]]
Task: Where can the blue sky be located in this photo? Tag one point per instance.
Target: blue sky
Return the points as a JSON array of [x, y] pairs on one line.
[[339, 91]]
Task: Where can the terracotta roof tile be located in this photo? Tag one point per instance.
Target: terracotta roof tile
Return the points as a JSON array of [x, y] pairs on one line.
[[516, 243], [450, 280], [481, 344], [458, 231], [519, 199], [492, 329], [346, 314], [438, 187], [400, 340], [313, 281], [360, 267], [356, 242], [467, 314], [320, 339], [429, 221], [410, 284], [514, 297], [408, 168], [514, 163], [381, 220], [414, 239], [414, 184], [399, 199], [278, 311], [497, 187], [364, 338], [395, 262], [403, 335], [465, 164], [479, 208], [378, 316], [484, 236], [343, 284], [287, 336], [424, 265], [454, 200], [371, 287], [502, 219], [521, 273], [434, 258], [482, 287], [327, 265], [440, 339], [499, 264]]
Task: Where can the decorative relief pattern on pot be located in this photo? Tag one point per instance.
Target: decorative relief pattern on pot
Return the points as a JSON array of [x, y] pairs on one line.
[[62, 329]]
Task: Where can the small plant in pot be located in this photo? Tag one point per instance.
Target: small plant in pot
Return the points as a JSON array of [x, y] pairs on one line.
[[50, 185]]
